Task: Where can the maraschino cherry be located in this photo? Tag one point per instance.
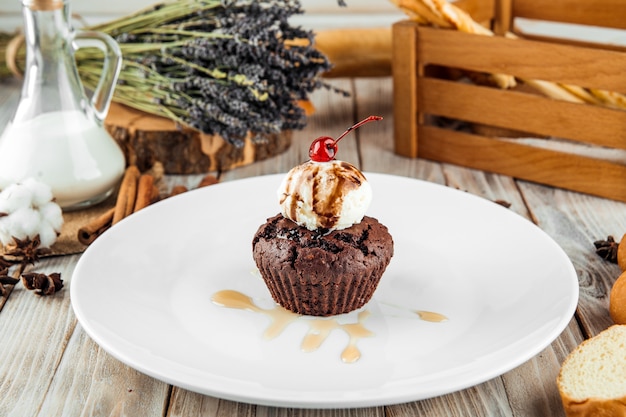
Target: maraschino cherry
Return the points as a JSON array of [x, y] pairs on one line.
[[324, 148]]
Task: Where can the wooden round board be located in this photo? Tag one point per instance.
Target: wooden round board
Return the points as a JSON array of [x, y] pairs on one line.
[[147, 138]]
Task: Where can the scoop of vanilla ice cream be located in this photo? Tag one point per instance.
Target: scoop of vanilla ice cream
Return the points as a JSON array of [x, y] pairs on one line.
[[331, 195]]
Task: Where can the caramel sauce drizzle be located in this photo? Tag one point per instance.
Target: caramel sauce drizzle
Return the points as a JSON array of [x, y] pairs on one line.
[[431, 316], [319, 328]]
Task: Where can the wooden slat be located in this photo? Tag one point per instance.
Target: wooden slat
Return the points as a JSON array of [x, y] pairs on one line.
[[557, 38], [526, 59], [405, 88], [607, 13], [545, 166], [503, 17], [529, 113]]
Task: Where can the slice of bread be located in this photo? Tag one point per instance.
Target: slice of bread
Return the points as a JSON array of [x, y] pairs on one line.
[[592, 380]]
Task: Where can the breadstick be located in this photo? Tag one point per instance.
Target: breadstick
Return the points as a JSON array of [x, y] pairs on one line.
[[460, 19], [610, 98], [552, 90], [581, 93], [426, 14]]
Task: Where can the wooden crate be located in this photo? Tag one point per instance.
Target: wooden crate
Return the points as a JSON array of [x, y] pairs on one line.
[[420, 53]]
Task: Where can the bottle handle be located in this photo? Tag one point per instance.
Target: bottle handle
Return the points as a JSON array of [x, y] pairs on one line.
[[111, 67]]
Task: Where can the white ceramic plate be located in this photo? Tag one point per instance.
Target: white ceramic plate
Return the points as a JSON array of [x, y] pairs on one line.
[[144, 292]]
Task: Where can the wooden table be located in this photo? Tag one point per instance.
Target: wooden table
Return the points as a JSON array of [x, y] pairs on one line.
[[50, 367]]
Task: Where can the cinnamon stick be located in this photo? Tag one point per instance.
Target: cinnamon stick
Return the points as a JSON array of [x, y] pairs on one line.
[[147, 192], [136, 192], [89, 232], [128, 193], [207, 180], [178, 189]]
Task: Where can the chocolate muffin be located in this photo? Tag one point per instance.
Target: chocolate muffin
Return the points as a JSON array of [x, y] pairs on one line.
[[321, 272]]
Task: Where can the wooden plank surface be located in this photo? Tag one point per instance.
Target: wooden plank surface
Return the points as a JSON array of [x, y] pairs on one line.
[[575, 221], [51, 367]]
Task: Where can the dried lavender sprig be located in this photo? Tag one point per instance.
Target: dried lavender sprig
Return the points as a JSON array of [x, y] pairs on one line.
[[242, 48], [156, 15]]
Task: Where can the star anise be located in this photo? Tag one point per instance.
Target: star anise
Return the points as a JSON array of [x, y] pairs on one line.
[[607, 249], [43, 284], [5, 263], [25, 251], [6, 279]]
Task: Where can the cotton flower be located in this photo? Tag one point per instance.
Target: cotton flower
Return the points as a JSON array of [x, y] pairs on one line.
[[27, 210]]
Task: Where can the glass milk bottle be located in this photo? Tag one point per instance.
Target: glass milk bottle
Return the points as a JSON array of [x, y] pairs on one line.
[[56, 134]]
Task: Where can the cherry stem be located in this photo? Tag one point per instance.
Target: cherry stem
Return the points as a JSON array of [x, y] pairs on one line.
[[361, 123]]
